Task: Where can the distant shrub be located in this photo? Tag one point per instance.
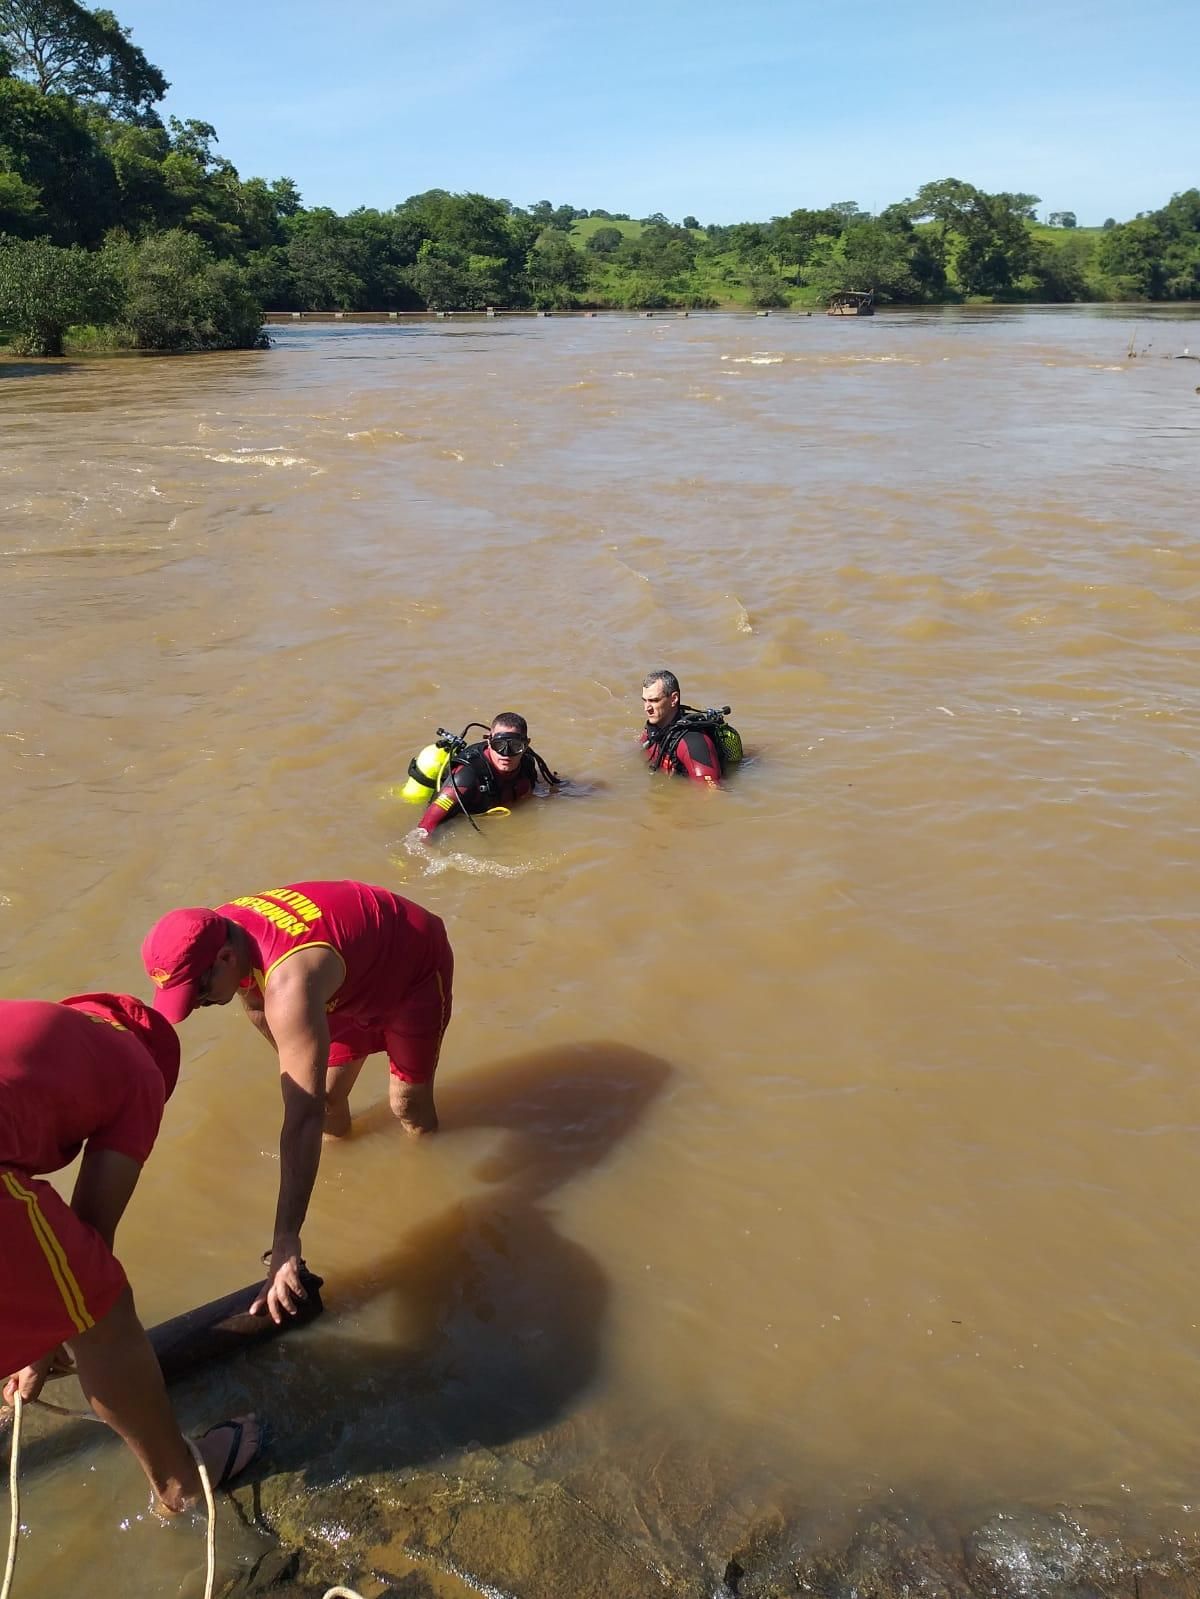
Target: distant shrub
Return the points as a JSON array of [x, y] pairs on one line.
[[178, 298], [45, 289], [767, 291], [644, 294]]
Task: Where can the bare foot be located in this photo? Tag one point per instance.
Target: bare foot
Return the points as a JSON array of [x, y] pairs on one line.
[[412, 1106]]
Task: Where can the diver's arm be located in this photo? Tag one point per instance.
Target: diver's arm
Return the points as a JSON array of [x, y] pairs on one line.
[[437, 812], [460, 785], [696, 754]]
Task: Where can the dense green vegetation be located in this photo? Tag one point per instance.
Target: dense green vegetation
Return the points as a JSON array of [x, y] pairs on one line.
[[120, 231]]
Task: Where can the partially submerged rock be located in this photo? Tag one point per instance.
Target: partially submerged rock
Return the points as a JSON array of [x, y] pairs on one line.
[[490, 1526]]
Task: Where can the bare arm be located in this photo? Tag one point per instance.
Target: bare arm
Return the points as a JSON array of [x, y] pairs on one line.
[[253, 1004], [103, 1188], [295, 1014]]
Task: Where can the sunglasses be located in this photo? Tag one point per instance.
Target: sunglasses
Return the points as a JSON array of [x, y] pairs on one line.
[[508, 743]]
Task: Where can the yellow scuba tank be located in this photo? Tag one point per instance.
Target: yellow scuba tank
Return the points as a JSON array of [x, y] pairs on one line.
[[729, 742], [723, 734], [425, 774]]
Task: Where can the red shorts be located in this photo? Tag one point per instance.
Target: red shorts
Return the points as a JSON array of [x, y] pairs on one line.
[[57, 1275], [412, 1039]]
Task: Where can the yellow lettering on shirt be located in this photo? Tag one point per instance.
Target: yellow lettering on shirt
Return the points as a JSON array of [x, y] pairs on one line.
[[275, 914], [299, 902], [280, 914]]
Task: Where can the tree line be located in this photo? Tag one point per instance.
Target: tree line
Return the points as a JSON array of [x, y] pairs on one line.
[[138, 233]]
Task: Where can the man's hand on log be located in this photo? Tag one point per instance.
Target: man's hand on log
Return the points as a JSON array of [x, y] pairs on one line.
[[283, 1290]]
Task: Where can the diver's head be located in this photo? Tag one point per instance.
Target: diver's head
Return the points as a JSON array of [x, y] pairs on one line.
[[507, 741], [660, 697]]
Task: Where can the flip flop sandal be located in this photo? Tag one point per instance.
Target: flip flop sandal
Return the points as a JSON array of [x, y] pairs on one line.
[[238, 1428]]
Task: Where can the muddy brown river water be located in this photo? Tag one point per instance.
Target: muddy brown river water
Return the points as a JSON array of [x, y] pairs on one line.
[[843, 1125]]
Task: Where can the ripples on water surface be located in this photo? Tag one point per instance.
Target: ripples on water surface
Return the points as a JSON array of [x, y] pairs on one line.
[[844, 1122]]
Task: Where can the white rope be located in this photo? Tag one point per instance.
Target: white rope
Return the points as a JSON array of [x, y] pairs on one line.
[[209, 1504], [211, 1508], [14, 1498]]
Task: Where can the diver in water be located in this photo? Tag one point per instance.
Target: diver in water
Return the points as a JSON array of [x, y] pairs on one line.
[[679, 740], [497, 772]]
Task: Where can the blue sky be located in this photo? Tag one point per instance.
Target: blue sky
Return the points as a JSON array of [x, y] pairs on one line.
[[731, 112]]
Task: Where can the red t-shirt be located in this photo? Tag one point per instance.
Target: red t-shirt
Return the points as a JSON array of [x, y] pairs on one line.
[[387, 944], [70, 1076]]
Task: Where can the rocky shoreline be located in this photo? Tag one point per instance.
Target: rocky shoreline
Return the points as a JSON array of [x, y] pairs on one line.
[[445, 1432], [578, 1509], [473, 1529]]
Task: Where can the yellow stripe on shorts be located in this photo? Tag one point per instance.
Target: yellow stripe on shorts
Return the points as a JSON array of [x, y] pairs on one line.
[[56, 1256]]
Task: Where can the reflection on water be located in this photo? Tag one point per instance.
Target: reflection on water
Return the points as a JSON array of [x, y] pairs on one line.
[[910, 1204]]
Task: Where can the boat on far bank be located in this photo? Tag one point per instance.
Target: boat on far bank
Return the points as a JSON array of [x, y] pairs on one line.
[[851, 302]]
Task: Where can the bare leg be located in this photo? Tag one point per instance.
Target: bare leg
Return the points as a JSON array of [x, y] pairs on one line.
[[338, 1084], [412, 1105], [120, 1376]]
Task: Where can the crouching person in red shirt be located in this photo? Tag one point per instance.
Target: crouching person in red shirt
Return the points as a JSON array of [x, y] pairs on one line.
[[94, 1073]]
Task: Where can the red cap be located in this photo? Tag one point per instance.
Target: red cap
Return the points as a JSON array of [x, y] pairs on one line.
[[152, 1031], [178, 952]]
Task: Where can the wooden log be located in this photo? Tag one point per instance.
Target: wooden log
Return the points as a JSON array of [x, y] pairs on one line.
[[224, 1327], [211, 1332]]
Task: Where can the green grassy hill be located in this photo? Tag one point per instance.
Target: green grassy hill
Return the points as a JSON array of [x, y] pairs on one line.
[[1041, 230], [583, 230], [721, 279], [717, 281]]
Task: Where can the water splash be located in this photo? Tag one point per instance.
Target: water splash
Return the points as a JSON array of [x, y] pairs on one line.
[[436, 862]]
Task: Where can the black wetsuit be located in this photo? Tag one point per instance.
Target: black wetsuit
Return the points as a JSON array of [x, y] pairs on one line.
[[480, 787], [694, 756]]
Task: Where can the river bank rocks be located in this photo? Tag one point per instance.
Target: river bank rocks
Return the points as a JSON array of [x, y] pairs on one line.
[[487, 1524], [566, 1513]]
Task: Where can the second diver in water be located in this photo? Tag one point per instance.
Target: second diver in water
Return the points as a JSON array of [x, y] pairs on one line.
[[681, 740], [495, 773]]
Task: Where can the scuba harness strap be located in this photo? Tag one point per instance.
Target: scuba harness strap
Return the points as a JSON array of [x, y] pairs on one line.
[[725, 738], [474, 756], [551, 779]]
